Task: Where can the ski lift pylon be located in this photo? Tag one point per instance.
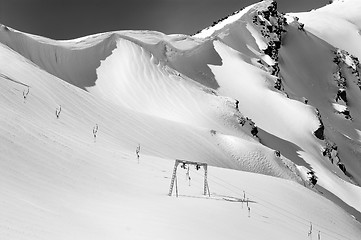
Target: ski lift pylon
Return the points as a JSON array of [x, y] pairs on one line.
[[198, 165]]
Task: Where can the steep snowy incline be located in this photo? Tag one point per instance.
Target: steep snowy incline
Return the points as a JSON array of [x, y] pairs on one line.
[[59, 182], [320, 83], [258, 92], [221, 24], [261, 79], [295, 123], [74, 62], [134, 127], [135, 78], [338, 23], [134, 73], [138, 74]]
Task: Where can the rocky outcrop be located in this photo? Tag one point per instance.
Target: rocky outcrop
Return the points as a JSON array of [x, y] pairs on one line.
[[245, 121], [341, 95], [271, 25], [330, 151], [344, 61], [312, 178], [319, 133]]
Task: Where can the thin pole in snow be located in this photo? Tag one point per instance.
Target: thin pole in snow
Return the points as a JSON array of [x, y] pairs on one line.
[[209, 193], [176, 186], [57, 111], [25, 93], [95, 131], [137, 150], [310, 231], [188, 176]]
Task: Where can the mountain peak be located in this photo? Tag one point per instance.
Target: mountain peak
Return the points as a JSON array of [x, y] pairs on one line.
[[236, 16]]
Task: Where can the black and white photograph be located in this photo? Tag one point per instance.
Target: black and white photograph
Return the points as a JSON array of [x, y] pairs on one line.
[[180, 119]]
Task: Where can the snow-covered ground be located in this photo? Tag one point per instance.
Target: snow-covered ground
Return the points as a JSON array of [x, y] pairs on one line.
[[260, 98]]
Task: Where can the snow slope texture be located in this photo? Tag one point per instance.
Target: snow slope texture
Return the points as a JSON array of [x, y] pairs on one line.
[[246, 95]]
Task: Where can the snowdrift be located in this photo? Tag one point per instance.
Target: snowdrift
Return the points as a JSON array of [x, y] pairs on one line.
[[140, 80]]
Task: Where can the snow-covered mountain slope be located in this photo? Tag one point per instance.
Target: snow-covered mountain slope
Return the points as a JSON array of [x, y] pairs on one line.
[[256, 93], [338, 23], [288, 67]]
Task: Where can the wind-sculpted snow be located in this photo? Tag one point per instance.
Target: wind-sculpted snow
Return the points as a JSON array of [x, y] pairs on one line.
[[74, 62], [338, 23], [135, 78], [136, 74], [90, 129], [125, 128]]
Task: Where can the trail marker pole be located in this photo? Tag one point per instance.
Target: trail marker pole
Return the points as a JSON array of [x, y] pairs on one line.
[[25, 94], [310, 231], [188, 176], [95, 131], [137, 150], [58, 111], [176, 186]]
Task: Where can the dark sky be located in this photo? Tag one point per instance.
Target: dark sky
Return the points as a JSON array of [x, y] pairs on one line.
[[66, 19]]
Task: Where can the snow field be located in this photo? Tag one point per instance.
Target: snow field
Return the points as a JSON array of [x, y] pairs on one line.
[[177, 97]]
